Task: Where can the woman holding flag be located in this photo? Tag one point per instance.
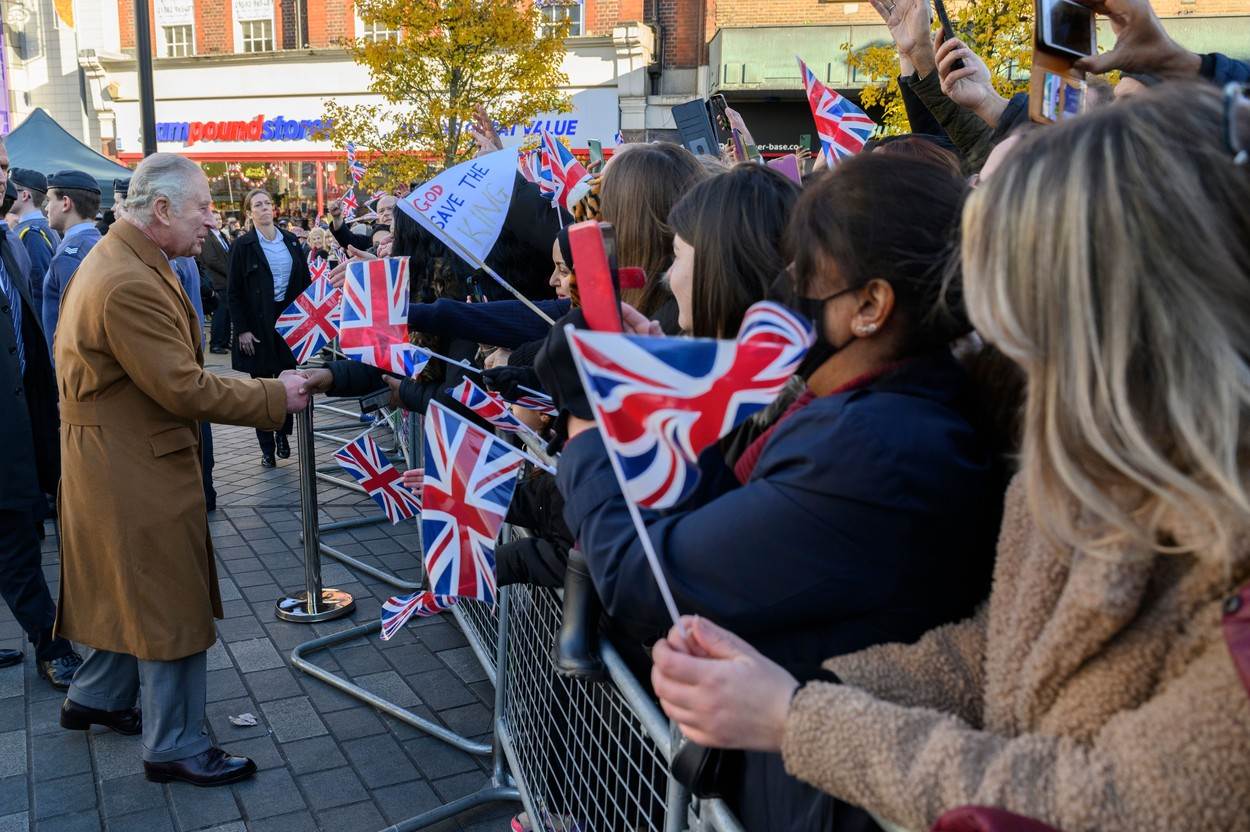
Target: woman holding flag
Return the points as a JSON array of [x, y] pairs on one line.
[[866, 513]]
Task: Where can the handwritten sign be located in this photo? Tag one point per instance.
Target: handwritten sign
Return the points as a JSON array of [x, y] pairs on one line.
[[465, 205]]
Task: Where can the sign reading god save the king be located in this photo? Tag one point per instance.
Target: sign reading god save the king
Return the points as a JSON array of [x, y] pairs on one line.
[[465, 205]]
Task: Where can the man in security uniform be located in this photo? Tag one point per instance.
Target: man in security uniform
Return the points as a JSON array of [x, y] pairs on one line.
[[73, 200], [33, 228]]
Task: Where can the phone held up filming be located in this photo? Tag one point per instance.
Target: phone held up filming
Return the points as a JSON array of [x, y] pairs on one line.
[[1064, 32]]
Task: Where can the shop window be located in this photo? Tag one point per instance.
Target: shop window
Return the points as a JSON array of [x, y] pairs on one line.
[[555, 12], [257, 35], [373, 31], [26, 30], [179, 41]]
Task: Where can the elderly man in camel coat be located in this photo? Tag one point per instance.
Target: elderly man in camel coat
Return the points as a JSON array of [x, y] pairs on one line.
[[138, 584]]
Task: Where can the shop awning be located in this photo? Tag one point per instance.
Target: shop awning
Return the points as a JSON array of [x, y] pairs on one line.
[[39, 143]]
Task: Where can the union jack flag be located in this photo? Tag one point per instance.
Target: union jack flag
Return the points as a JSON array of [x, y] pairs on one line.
[[469, 480], [350, 203], [318, 267], [374, 325], [540, 163], [398, 609], [354, 166], [843, 128], [661, 401], [567, 174], [543, 404], [312, 320], [489, 405], [364, 460]]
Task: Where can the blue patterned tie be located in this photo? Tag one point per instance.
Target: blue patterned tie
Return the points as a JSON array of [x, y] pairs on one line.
[[15, 312]]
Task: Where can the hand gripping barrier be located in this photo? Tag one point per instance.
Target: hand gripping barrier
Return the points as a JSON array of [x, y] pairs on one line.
[[580, 757]]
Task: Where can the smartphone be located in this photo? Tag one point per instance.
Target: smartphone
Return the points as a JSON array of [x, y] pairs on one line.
[[740, 151], [375, 401], [718, 104], [805, 141], [1068, 28], [596, 151], [695, 126], [594, 250], [948, 32]]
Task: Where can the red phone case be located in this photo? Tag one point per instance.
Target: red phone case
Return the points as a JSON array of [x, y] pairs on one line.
[[601, 303]]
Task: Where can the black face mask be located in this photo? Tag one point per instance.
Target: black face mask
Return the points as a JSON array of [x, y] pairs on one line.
[[813, 309]]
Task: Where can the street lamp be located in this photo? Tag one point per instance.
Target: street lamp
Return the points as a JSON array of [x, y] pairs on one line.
[[147, 94]]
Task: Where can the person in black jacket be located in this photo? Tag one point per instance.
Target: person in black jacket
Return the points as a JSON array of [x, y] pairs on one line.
[[267, 272], [214, 263], [866, 513], [30, 466]]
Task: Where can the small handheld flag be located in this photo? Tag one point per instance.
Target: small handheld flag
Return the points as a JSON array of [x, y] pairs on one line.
[[364, 460], [398, 609], [490, 406], [571, 180], [843, 128], [318, 267], [312, 320], [350, 202], [374, 323], [354, 166], [470, 477], [661, 401]]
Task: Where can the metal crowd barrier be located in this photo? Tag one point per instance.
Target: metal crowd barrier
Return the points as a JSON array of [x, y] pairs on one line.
[[579, 756]]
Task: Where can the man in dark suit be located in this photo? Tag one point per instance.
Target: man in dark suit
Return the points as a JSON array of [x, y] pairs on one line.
[[30, 463], [214, 263]]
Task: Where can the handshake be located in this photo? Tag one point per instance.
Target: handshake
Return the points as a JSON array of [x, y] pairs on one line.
[[300, 385]]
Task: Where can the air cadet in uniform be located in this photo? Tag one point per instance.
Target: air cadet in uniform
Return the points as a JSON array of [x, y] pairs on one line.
[[33, 229], [73, 200]]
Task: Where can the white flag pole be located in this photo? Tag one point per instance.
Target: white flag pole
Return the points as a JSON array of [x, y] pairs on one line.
[[643, 535]]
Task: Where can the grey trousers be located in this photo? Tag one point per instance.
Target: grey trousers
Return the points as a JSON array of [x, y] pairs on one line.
[[172, 698]]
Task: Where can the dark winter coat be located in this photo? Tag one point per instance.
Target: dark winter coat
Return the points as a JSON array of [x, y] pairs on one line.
[[253, 307]]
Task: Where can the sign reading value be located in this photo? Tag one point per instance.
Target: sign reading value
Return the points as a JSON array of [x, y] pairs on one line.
[[259, 129]]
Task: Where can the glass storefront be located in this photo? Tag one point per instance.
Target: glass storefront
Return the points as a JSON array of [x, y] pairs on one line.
[[294, 185]]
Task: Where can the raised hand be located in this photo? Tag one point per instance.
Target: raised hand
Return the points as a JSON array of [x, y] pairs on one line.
[[970, 86], [909, 22], [1142, 45], [482, 129]]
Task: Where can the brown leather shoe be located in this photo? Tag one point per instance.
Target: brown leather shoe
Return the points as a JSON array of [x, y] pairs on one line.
[[213, 767], [77, 717]]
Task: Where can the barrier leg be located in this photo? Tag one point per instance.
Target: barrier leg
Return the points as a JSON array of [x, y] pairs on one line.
[[315, 603]]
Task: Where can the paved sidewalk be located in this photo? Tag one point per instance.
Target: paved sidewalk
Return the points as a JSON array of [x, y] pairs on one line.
[[327, 761]]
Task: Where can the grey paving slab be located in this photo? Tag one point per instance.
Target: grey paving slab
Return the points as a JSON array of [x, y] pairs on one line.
[[150, 820], [283, 823], [133, 793], [11, 682], [12, 753], [218, 658], [13, 794], [59, 754], [390, 686], [293, 719], [277, 683], [88, 821], [116, 755], [335, 787], [64, 796], [441, 689], [315, 754], [268, 794], [224, 684], [16, 822], [437, 759], [380, 761], [196, 808], [356, 722], [255, 654], [358, 817]]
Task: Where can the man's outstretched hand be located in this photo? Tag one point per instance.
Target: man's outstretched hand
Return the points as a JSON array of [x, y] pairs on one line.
[[295, 384]]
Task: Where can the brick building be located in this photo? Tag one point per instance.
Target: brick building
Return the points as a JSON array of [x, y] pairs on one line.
[[628, 63]]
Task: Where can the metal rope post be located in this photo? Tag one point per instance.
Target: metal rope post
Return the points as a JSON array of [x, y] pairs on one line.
[[314, 603]]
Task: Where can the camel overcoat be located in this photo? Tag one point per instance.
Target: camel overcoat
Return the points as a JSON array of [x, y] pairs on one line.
[[137, 573]]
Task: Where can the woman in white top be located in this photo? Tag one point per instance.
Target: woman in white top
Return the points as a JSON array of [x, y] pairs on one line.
[[267, 272]]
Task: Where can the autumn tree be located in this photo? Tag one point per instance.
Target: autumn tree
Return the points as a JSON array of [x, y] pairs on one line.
[[450, 55], [1000, 31]]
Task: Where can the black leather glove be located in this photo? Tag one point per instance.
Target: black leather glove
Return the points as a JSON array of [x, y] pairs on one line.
[[507, 381], [556, 371]]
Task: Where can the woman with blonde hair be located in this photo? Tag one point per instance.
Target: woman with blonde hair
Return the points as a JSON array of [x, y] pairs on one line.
[[1110, 258]]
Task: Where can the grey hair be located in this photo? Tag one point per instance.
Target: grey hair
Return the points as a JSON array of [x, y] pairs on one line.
[[160, 175]]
